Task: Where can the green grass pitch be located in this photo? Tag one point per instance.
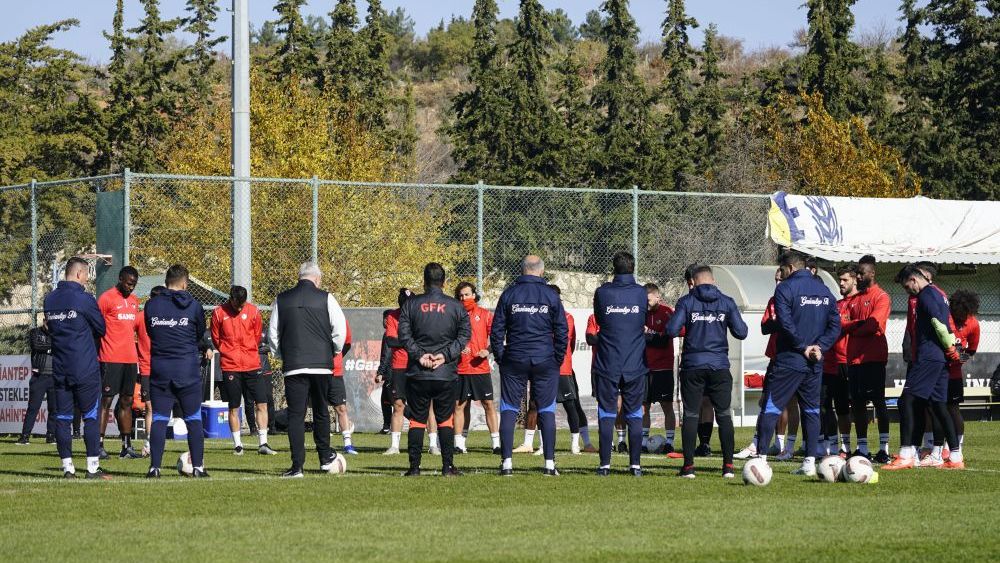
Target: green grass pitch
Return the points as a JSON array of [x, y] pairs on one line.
[[244, 512]]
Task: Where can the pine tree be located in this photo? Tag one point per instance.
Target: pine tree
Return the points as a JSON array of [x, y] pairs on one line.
[[344, 58], [576, 149], [534, 127], [479, 133], [831, 56], [376, 78], [621, 98], [123, 100], [876, 98], [407, 136], [155, 90], [677, 159], [711, 103], [296, 54], [201, 58]]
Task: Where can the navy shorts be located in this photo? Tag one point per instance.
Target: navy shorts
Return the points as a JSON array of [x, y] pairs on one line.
[[633, 392], [514, 378], [783, 384], [927, 380]]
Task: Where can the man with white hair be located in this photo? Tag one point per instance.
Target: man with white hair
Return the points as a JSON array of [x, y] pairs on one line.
[[307, 328], [529, 338]]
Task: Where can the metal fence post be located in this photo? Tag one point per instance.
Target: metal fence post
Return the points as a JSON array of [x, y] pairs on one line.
[[635, 224], [34, 255], [315, 219], [480, 188], [127, 216]]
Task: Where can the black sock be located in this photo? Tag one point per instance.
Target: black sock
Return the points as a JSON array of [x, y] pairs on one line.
[[704, 432], [414, 445], [386, 415], [446, 438]]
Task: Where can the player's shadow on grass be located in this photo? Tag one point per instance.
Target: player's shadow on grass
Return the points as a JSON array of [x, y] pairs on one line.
[[43, 474], [49, 453]]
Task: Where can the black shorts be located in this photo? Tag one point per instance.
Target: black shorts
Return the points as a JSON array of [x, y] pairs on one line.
[[399, 385], [836, 390], [118, 379], [867, 382], [956, 391], [424, 394], [567, 389], [237, 383], [475, 387], [659, 386], [337, 394]]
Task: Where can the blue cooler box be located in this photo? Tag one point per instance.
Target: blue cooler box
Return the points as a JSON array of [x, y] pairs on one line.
[[215, 419]]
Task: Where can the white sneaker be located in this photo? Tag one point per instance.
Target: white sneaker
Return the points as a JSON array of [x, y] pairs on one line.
[[539, 451], [785, 455], [391, 451], [434, 450], [807, 470], [932, 461], [524, 449], [574, 449], [746, 453]]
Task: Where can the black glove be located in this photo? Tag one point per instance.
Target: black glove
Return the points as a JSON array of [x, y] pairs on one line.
[[144, 388], [963, 353]]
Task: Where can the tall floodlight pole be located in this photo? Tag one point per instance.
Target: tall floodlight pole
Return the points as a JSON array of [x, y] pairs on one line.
[[241, 146]]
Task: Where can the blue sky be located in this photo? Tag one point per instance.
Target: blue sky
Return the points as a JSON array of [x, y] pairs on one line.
[[760, 23]]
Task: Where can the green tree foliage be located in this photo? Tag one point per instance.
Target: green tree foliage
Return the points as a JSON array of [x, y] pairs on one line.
[[344, 56], [155, 92], [480, 132], [678, 143], [711, 104], [593, 26], [201, 59], [51, 129], [296, 54], [576, 147], [623, 101], [375, 80], [562, 28], [534, 127], [831, 55]]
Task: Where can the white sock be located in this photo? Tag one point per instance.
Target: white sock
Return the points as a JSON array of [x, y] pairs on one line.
[[550, 464], [961, 441], [529, 438], [507, 463], [936, 451], [883, 442], [67, 463], [433, 439], [845, 439], [956, 456], [395, 439], [907, 452], [585, 433], [605, 467], [200, 468], [347, 436], [460, 442], [809, 462], [576, 440], [753, 443], [928, 439], [148, 447], [670, 437], [237, 439], [621, 436], [635, 467], [93, 463], [781, 443], [495, 438], [262, 437]]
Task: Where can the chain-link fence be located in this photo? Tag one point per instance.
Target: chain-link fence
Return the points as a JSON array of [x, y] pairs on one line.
[[371, 239]]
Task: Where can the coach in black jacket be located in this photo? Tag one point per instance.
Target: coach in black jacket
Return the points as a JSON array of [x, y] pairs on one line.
[[434, 328]]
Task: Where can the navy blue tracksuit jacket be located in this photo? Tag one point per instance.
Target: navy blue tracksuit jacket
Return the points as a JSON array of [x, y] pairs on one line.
[[707, 314], [75, 323], [620, 308], [175, 322], [807, 312], [529, 325]]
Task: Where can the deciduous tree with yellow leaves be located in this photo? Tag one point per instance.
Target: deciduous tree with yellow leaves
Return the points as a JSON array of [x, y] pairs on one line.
[[822, 155], [372, 240]]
